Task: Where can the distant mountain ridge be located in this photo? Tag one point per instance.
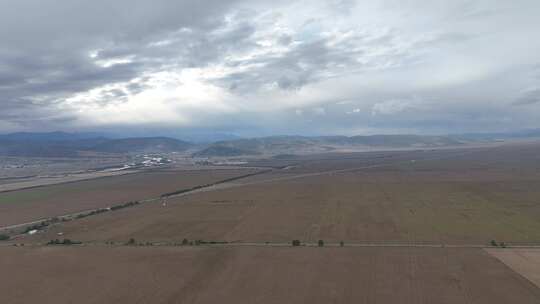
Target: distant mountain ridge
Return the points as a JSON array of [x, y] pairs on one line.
[[277, 145], [302, 144], [61, 144]]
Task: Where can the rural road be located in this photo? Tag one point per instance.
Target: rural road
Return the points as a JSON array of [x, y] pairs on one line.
[[288, 244]]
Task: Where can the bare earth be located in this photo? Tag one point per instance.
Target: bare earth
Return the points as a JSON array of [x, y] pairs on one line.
[[58, 179], [391, 209], [433, 201], [524, 261], [258, 275], [43, 202]]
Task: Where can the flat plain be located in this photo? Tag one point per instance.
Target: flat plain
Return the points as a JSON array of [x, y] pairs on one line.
[[431, 200], [258, 275], [414, 227], [525, 261], [55, 200]]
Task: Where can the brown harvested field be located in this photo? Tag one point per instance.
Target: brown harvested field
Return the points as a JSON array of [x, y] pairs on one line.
[[258, 275], [341, 161], [42, 202], [455, 197], [395, 203], [525, 261]]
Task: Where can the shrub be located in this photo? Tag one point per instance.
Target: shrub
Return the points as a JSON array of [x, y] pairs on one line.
[[66, 242], [54, 242], [296, 242], [185, 242], [4, 237], [125, 205], [341, 244], [320, 243], [131, 241], [494, 243], [36, 226]]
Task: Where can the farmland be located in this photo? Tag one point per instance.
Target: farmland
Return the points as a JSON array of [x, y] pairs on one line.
[[259, 275], [396, 227], [524, 261], [270, 152], [405, 203], [43, 202]]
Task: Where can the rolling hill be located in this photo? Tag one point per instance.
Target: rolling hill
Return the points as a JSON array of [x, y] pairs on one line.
[[301, 144], [60, 144]]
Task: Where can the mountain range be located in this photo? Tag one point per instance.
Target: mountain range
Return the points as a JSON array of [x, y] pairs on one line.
[[302, 144], [61, 144]]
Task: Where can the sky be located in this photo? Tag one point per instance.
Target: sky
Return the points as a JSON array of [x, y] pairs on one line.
[[258, 68]]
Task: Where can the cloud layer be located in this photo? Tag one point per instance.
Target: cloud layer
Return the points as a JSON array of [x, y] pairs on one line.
[[258, 68]]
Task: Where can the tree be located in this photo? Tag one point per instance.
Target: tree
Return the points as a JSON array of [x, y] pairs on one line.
[[320, 243], [341, 244], [131, 241], [296, 242], [493, 243], [185, 242], [4, 237], [54, 242]]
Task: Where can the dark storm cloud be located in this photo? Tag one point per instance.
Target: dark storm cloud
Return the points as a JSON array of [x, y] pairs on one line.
[[292, 70], [306, 62], [321, 59], [46, 45], [269, 65]]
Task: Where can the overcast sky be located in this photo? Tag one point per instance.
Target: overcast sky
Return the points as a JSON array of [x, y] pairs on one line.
[[270, 67]]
